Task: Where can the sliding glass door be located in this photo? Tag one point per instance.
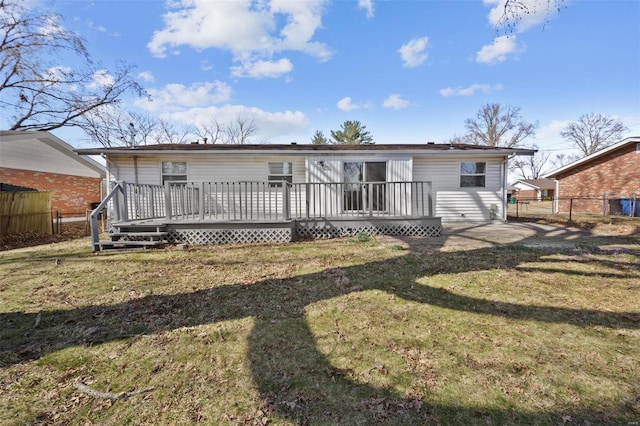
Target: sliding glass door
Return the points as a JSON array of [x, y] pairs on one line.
[[361, 191]]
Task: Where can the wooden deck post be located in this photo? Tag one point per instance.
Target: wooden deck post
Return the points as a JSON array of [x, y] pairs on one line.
[[286, 201], [201, 201], [124, 205], [430, 198], [167, 199]]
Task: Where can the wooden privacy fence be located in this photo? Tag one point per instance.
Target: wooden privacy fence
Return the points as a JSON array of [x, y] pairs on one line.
[[25, 212]]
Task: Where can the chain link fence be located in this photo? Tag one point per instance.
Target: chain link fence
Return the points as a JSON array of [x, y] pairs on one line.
[[604, 205]]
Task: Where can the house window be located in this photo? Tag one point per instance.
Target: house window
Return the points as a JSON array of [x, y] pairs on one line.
[[473, 175], [638, 148], [280, 172], [174, 171]]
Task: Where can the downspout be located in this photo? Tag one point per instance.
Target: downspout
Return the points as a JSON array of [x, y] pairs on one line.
[[556, 198], [505, 174]]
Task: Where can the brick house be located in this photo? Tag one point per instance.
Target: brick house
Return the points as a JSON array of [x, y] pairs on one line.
[[535, 189], [42, 161], [601, 179]]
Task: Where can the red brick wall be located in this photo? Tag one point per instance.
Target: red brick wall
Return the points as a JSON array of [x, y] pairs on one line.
[[617, 174], [527, 195], [71, 195]]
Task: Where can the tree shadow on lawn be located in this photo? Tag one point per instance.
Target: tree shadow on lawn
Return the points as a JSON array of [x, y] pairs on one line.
[[295, 379]]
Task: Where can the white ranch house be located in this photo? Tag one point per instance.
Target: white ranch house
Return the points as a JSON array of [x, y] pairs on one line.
[[206, 193]]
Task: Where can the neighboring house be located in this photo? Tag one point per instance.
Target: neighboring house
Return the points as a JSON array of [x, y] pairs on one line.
[[611, 174], [194, 190], [535, 189], [41, 161]]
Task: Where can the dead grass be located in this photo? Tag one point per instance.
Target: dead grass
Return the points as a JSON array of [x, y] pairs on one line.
[[66, 231], [324, 332], [618, 225]]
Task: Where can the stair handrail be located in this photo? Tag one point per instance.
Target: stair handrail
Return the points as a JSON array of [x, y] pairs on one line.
[[95, 235]]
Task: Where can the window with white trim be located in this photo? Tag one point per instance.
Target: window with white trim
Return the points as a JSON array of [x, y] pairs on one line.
[[473, 175], [174, 171], [280, 172]]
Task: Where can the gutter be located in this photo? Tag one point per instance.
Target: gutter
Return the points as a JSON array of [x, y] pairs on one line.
[[306, 152]]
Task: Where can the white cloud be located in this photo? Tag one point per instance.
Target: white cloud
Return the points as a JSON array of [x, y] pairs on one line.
[[251, 30], [498, 51], [178, 96], [396, 102], [414, 52], [269, 125], [551, 131], [261, 69], [146, 76], [101, 78], [471, 90], [58, 73], [367, 6], [346, 104], [529, 12], [93, 26]]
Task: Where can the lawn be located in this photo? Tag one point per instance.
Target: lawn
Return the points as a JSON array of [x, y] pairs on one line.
[[347, 331]]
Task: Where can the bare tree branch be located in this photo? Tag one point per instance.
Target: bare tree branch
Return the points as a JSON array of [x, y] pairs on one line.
[[210, 132], [593, 132], [498, 125], [37, 92], [514, 11], [240, 131], [531, 167]]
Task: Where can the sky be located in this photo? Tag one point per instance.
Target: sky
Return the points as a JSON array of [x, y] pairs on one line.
[[411, 71]]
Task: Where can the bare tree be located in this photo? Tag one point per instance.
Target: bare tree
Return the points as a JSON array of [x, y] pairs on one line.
[[36, 92], [170, 132], [563, 159], [239, 131], [498, 125], [592, 132], [109, 127], [210, 132], [531, 167]]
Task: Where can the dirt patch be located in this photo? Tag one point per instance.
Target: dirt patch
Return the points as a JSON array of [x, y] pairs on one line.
[[68, 231]]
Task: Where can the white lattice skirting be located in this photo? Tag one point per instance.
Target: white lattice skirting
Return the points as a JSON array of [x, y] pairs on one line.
[[307, 231], [230, 236]]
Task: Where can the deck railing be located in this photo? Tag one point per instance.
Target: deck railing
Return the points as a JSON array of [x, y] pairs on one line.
[[269, 201]]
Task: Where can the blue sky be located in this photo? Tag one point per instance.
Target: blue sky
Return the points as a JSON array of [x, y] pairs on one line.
[[411, 71]]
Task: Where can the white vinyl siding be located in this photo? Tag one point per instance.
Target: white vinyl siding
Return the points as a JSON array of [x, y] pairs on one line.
[[454, 203], [204, 168], [329, 169], [325, 168]]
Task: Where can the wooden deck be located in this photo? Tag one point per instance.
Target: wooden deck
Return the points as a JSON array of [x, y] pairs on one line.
[[221, 213]]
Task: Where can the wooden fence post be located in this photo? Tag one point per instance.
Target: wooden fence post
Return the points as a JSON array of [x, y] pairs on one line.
[[570, 208]]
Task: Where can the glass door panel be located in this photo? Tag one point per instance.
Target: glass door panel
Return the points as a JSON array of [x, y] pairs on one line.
[[376, 196], [360, 196], [352, 191]]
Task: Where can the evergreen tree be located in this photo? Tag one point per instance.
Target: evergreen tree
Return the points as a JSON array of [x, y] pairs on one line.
[[352, 133]]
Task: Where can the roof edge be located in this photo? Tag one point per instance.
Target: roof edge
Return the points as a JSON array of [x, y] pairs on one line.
[[615, 146], [58, 144], [303, 149]]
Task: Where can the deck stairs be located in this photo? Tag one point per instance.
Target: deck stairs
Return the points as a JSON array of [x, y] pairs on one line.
[[134, 237]]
